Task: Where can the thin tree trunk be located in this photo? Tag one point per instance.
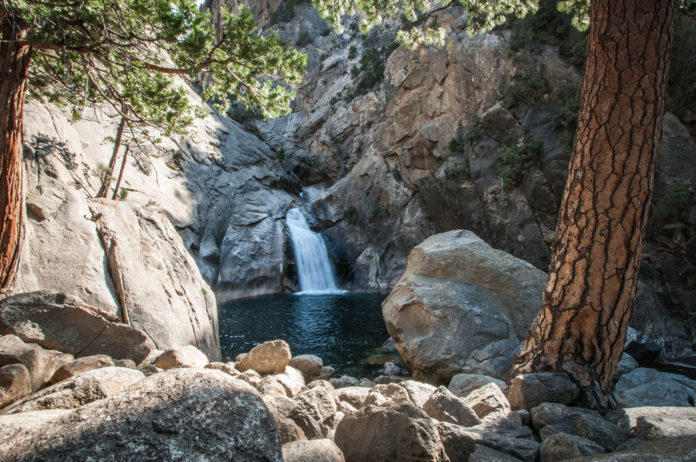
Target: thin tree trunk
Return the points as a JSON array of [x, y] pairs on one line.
[[14, 65], [106, 181], [120, 172], [589, 295]]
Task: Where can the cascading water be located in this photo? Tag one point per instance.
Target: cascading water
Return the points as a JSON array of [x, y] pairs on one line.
[[313, 266]]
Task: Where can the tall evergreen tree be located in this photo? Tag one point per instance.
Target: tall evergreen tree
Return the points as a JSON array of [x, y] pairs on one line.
[[121, 55], [588, 298]]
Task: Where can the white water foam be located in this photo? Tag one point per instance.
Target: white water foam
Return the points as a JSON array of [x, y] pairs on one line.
[[311, 258]]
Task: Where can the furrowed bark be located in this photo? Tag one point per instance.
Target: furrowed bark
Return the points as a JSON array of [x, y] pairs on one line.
[[14, 66], [589, 295]]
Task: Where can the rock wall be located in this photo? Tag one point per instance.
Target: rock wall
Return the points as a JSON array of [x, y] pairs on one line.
[[214, 199]]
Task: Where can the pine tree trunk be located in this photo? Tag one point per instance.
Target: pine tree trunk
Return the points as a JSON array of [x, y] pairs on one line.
[[14, 65], [106, 181], [589, 295]]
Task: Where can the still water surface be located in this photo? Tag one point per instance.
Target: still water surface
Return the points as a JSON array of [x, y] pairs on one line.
[[345, 330]]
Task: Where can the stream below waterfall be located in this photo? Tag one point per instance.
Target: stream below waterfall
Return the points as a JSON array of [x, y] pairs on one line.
[[345, 330]]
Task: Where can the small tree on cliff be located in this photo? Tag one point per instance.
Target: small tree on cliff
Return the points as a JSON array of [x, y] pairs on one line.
[[588, 298], [120, 54]]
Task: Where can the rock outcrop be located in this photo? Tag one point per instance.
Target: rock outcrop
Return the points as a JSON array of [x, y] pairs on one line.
[[63, 322], [461, 306]]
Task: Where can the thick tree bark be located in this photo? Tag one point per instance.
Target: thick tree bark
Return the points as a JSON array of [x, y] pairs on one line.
[[589, 295], [106, 181], [14, 65]]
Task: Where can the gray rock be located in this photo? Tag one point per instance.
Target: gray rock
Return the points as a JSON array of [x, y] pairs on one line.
[[156, 279], [78, 390], [459, 438], [485, 454], [651, 423], [180, 414], [463, 384], [187, 356], [344, 381], [529, 390], [445, 407], [282, 409], [81, 365], [418, 392], [42, 364], [62, 322], [227, 368], [129, 363], [322, 450], [267, 358], [327, 372], [382, 394], [15, 383], [562, 446], [461, 306], [394, 432], [648, 387], [626, 365], [355, 396], [552, 418], [677, 449], [309, 365], [488, 401], [316, 406]]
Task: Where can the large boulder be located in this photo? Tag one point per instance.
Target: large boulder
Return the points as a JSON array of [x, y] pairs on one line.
[[76, 391], [648, 387], [654, 422], [180, 414], [394, 432], [62, 322], [42, 364], [316, 408], [461, 306], [157, 282]]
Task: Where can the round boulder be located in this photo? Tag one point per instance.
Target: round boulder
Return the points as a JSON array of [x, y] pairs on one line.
[[267, 358], [461, 306]]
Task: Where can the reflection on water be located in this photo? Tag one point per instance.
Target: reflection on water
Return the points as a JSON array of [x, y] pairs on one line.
[[343, 330]]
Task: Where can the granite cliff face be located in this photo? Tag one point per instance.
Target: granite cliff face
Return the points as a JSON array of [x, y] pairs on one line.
[[214, 199], [444, 142]]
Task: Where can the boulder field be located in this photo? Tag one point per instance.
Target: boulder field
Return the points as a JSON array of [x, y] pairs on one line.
[[177, 406]]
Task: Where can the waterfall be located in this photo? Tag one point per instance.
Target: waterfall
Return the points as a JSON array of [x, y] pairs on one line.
[[311, 258]]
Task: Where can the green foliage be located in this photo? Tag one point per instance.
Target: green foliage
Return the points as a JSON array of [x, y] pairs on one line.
[[123, 53], [676, 202], [525, 89], [352, 52], [567, 95], [350, 214], [370, 73], [123, 194], [303, 38], [551, 26], [280, 154], [516, 162]]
